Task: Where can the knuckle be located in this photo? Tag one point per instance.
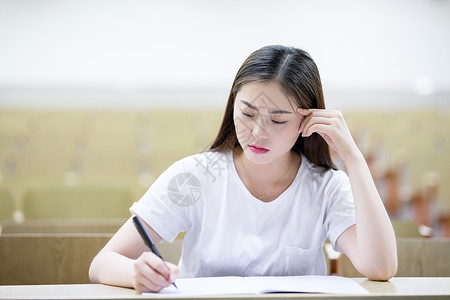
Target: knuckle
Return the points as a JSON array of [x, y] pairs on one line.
[[137, 267], [157, 263], [159, 280]]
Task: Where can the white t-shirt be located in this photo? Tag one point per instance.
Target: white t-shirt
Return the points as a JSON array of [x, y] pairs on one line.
[[232, 233]]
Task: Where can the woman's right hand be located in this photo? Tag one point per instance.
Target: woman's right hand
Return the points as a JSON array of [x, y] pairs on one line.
[[152, 274]]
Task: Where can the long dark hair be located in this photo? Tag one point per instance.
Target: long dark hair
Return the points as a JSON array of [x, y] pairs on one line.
[[297, 75]]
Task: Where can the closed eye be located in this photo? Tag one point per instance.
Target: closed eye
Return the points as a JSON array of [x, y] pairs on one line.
[[247, 115]]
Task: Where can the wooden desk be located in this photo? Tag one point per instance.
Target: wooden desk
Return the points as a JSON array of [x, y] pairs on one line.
[[396, 288]]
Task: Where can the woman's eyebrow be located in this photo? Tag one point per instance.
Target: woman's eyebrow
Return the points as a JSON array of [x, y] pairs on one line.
[[273, 112]]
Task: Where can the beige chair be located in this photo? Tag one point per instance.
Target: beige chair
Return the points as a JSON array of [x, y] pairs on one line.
[[417, 257], [57, 258], [79, 202], [7, 205], [406, 228], [62, 226]]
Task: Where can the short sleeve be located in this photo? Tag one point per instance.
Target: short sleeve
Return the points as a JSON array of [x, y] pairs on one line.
[[160, 206], [340, 208]]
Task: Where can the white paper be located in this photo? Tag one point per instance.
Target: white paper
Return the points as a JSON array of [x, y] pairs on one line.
[[259, 285]]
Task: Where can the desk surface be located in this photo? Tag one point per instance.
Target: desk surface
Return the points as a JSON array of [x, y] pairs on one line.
[[396, 288]]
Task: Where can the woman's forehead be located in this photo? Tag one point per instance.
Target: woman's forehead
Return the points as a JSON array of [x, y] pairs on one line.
[[264, 95]]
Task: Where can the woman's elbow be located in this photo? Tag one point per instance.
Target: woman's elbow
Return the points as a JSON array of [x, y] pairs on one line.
[[382, 275], [93, 272], [382, 271]]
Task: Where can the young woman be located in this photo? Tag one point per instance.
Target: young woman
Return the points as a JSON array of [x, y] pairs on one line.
[[266, 195]]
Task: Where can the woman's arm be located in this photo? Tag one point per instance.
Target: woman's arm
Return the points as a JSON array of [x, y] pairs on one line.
[[370, 244], [126, 261]]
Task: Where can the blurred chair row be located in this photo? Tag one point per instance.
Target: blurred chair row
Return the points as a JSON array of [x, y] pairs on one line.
[[58, 259], [66, 209], [43, 149], [73, 168], [68, 179], [408, 153], [76, 147]]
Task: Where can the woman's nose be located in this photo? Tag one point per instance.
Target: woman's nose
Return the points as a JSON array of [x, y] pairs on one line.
[[259, 130]]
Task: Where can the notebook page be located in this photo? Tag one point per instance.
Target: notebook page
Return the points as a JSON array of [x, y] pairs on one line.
[[307, 284], [257, 285], [207, 286]]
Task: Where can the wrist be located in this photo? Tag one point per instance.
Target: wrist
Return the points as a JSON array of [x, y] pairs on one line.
[[354, 157]]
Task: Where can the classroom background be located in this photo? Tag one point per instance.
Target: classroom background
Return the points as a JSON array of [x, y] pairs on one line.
[[97, 98]]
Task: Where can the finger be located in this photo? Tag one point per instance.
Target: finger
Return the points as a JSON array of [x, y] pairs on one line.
[[144, 271], [313, 120], [301, 118], [158, 278], [319, 112], [143, 279], [307, 111], [303, 111], [145, 285], [316, 113], [158, 265], [319, 128], [317, 119], [174, 271]]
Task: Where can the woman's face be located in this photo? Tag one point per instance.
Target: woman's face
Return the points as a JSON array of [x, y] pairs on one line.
[[266, 123]]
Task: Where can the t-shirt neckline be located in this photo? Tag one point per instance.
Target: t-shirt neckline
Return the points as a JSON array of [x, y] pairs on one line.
[[250, 196]]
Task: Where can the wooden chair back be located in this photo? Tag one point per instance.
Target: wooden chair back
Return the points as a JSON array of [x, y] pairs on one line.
[[48, 258], [57, 258], [417, 257]]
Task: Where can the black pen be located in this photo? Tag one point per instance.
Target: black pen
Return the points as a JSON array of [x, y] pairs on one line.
[[148, 241]]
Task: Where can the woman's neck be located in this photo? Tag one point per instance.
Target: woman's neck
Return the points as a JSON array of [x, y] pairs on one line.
[[267, 181]]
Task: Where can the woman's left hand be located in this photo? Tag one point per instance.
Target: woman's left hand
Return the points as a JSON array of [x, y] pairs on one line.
[[330, 124]]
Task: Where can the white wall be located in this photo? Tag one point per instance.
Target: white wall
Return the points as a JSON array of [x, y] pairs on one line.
[[54, 49]]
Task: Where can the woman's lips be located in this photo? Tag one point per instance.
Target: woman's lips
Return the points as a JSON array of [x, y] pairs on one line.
[[258, 149]]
